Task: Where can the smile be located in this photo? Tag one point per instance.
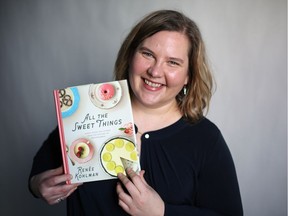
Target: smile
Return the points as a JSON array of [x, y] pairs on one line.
[[153, 85]]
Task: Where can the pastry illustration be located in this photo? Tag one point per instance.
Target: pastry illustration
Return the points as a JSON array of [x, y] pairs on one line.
[[105, 95], [69, 100], [117, 155], [81, 150], [106, 91]]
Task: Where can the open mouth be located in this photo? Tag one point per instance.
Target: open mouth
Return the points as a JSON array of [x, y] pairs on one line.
[[152, 84]]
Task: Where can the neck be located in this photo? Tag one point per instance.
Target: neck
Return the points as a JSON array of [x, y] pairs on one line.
[[149, 119]]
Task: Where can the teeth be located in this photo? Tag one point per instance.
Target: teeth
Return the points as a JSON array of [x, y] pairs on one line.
[[154, 85]]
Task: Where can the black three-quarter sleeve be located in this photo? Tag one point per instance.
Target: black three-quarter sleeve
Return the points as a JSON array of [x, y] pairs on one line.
[[218, 181], [217, 186]]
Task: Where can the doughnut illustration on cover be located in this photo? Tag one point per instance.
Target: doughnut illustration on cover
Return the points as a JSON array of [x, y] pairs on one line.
[[81, 151], [118, 154], [105, 95], [69, 100]]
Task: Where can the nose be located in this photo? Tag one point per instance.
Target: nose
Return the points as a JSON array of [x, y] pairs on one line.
[[155, 71]]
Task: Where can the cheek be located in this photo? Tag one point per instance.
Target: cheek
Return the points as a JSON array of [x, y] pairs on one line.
[[133, 74], [177, 78], [138, 65]]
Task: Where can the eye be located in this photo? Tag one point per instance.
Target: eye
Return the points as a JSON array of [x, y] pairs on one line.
[[174, 63], [147, 54]]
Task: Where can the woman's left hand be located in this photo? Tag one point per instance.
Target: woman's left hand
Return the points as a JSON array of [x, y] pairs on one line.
[[141, 199]]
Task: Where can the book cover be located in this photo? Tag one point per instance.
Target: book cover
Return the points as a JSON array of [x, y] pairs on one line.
[[96, 130]]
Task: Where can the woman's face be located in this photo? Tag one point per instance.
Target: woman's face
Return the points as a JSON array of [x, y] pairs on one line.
[[159, 69]]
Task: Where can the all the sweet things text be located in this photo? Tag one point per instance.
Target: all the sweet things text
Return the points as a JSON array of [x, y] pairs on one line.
[[99, 120]]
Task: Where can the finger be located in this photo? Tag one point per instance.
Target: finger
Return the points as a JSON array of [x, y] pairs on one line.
[[67, 188], [122, 194], [124, 206], [77, 184], [133, 187], [60, 193], [131, 173], [51, 187], [138, 180], [141, 174], [58, 171], [53, 199], [68, 193], [71, 191], [60, 179], [129, 185], [52, 172], [58, 200], [124, 199]]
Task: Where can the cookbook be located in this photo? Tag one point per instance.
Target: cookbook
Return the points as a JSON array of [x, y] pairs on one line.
[[96, 130]]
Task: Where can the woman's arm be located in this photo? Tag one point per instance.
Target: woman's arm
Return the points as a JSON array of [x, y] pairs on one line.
[[217, 191], [47, 180]]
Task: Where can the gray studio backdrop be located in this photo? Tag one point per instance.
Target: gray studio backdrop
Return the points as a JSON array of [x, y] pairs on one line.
[[53, 44]]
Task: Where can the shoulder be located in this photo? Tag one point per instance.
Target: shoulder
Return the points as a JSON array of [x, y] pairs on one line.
[[204, 134], [203, 127]]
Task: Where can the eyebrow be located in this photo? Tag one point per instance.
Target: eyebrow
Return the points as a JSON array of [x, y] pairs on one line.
[[143, 48], [177, 59]]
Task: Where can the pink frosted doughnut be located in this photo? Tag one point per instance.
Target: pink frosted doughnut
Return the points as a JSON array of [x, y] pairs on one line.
[[106, 91]]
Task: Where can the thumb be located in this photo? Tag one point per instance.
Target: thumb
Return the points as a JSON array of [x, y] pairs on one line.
[[141, 174]]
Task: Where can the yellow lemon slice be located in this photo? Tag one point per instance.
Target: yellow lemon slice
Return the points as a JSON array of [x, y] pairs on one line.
[[111, 165], [119, 169], [107, 157], [119, 143], [129, 147], [109, 147]]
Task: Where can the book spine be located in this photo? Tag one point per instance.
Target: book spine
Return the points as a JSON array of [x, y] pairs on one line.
[[61, 134]]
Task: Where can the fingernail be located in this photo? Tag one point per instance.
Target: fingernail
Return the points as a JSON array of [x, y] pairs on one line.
[[129, 170]]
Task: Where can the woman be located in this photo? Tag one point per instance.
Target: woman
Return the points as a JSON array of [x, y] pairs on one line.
[[187, 164]]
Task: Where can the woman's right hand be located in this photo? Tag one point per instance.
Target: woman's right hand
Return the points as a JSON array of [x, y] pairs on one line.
[[51, 185]]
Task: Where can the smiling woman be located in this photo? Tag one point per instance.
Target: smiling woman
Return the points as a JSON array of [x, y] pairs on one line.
[[159, 70], [200, 84], [187, 168]]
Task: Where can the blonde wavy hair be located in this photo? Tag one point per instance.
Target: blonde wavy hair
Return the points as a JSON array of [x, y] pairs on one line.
[[200, 84]]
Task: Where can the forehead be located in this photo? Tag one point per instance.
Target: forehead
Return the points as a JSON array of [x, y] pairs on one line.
[[170, 41]]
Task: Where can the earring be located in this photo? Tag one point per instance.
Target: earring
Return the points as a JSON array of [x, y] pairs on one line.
[[184, 90]]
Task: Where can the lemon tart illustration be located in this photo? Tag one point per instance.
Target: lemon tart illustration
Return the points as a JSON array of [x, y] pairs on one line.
[[119, 154]]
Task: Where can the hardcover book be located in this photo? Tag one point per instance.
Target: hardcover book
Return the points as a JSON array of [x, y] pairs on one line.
[[96, 130]]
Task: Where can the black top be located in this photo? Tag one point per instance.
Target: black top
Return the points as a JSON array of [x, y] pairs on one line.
[[189, 165]]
